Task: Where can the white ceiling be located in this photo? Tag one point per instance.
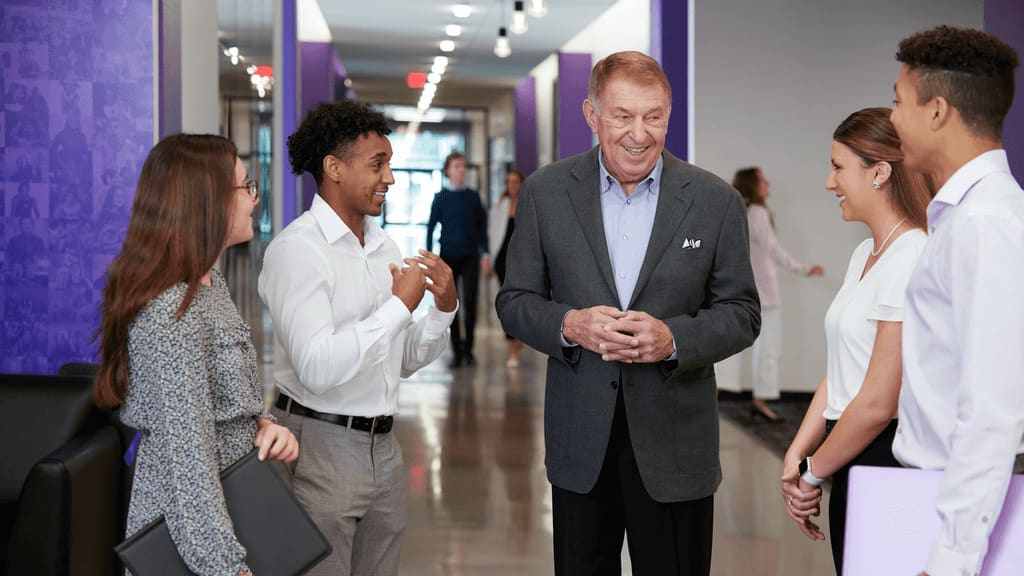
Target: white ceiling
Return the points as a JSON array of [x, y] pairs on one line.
[[380, 41]]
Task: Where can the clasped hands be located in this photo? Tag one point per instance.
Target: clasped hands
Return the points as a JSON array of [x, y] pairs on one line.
[[802, 500], [619, 336], [424, 273]]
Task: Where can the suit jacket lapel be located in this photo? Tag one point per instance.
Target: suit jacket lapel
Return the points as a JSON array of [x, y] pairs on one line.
[[673, 203], [585, 196]]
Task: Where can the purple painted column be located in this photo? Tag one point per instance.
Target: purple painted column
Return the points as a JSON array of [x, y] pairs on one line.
[[1005, 19], [317, 87], [672, 50], [574, 134], [526, 125], [76, 124], [288, 77]]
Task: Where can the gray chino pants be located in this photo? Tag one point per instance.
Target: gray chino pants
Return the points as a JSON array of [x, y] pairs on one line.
[[352, 484]]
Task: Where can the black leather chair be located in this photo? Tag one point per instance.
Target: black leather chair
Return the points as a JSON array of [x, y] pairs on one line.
[[62, 480]]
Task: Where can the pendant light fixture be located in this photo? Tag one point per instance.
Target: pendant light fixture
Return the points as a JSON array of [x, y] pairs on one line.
[[518, 25]]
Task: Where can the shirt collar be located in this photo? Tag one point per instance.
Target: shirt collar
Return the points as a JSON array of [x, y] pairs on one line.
[[334, 228], [954, 190], [653, 178]]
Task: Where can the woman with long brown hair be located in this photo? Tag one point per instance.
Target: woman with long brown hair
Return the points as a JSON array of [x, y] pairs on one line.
[[852, 418], [176, 356], [765, 253], [502, 224]]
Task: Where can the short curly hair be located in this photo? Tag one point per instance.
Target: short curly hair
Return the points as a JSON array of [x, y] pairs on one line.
[[331, 129], [971, 69]]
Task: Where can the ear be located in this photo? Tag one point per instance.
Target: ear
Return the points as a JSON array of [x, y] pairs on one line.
[[590, 113], [883, 170], [332, 168], [941, 112]]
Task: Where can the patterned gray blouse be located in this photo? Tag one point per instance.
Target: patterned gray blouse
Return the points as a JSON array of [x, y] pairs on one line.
[[194, 391]]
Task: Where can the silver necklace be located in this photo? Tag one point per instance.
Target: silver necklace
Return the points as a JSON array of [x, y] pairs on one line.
[[886, 241]]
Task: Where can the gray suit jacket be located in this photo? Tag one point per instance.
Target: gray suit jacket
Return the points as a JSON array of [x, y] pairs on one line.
[[558, 261]]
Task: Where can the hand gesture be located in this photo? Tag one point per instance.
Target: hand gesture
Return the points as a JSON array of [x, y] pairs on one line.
[[588, 327], [802, 500], [652, 339], [441, 283], [276, 442], [409, 284], [485, 266]]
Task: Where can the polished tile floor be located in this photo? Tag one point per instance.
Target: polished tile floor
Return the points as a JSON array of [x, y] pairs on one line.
[[479, 502]]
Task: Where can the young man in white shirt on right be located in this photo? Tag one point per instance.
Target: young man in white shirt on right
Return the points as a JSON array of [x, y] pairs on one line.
[[961, 406]]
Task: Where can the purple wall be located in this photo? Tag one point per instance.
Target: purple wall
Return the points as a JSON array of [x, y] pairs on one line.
[[574, 134], [1005, 19], [317, 87], [672, 51], [76, 84], [526, 125], [322, 76], [288, 77]]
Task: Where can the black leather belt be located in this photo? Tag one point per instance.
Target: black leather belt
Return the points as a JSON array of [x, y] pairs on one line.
[[375, 425]]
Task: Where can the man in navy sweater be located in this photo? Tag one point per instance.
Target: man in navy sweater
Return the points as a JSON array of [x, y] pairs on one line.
[[463, 221]]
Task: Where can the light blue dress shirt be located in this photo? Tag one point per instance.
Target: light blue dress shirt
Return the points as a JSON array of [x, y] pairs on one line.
[[628, 221]]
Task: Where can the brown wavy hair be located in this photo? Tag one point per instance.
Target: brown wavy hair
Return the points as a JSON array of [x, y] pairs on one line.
[[872, 137], [178, 227]]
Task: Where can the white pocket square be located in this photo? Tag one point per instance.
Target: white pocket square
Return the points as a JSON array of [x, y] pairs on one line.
[[691, 243]]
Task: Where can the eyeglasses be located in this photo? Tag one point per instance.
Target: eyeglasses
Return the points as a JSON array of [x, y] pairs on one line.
[[252, 187]]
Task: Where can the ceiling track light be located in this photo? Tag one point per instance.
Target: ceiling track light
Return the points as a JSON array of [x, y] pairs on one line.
[[461, 10], [538, 8], [453, 30], [447, 46], [518, 25], [502, 49]]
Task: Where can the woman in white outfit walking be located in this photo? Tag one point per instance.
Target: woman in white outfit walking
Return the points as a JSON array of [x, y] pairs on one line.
[[765, 254]]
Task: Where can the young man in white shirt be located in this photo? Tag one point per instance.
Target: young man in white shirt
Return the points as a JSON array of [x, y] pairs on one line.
[[961, 406], [342, 302]]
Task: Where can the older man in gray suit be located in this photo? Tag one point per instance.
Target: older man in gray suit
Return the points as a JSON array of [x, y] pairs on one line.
[[630, 269]]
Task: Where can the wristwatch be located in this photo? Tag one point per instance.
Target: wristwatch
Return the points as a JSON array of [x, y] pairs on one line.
[[807, 476]]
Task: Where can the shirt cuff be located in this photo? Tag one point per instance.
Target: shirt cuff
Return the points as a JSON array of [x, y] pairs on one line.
[[945, 561], [675, 352], [445, 318], [565, 343], [393, 314]]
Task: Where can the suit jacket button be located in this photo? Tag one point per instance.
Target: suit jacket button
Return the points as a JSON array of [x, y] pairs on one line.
[[614, 384]]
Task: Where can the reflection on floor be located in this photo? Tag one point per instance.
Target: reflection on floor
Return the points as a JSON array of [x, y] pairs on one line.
[[479, 502]]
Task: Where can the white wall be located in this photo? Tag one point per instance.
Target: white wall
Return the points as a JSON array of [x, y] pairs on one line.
[[773, 79], [544, 76], [626, 25]]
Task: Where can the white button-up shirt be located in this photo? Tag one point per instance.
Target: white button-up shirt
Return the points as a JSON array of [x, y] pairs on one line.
[[343, 339], [961, 407]]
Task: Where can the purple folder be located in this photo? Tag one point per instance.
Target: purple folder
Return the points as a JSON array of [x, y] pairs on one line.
[[891, 522]]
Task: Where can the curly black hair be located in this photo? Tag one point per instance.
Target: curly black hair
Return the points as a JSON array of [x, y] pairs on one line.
[[331, 129], [971, 69]]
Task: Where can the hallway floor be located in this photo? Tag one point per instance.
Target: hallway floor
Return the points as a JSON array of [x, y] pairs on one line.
[[479, 502]]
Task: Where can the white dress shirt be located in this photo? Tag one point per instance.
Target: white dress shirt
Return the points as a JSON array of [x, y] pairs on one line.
[[343, 339], [961, 407]]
